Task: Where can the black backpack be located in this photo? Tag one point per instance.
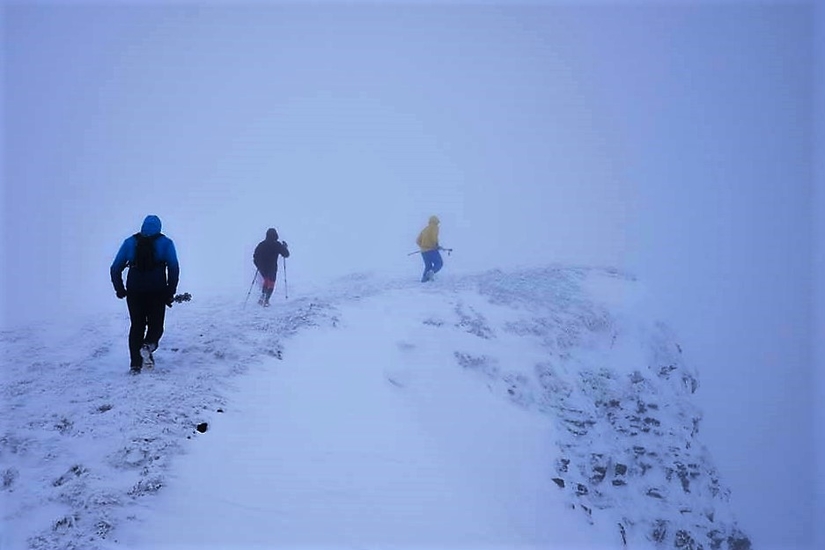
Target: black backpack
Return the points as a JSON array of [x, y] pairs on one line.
[[145, 252]]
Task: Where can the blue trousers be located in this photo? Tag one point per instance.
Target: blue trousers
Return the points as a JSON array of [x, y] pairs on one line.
[[432, 262]]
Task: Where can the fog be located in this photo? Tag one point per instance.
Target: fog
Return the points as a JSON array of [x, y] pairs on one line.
[[818, 302], [672, 142]]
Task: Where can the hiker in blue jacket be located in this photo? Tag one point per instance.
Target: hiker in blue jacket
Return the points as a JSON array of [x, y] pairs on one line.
[[151, 284]]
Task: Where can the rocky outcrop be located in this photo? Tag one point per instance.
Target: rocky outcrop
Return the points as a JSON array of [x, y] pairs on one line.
[[630, 452]]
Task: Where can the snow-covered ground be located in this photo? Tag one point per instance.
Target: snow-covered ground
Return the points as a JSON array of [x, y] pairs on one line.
[[536, 409]]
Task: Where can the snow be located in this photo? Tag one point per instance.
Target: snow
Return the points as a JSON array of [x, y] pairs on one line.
[[373, 413]]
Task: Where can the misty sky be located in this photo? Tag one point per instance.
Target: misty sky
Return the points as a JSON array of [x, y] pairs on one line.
[[819, 272], [673, 142]]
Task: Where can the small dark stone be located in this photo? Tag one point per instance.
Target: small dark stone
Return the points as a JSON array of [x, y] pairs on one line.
[[621, 469], [202, 427], [559, 481]]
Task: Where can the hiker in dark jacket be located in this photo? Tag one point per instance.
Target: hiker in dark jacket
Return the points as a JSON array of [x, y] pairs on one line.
[[265, 259], [151, 284]]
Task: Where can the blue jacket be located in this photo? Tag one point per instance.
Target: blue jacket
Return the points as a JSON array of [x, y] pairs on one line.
[[154, 280]]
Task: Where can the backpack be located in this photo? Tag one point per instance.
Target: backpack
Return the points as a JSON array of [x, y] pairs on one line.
[[145, 252]]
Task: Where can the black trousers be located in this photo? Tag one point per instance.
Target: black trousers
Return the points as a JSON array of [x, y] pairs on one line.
[[147, 311]]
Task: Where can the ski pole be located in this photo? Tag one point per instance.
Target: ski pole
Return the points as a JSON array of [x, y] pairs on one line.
[[250, 288], [286, 288], [447, 250]]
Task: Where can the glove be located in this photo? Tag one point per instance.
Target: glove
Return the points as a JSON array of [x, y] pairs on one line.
[[170, 297], [120, 292], [284, 243]]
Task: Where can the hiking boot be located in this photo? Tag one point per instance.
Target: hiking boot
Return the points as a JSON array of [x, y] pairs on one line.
[[430, 275], [146, 354], [134, 369]]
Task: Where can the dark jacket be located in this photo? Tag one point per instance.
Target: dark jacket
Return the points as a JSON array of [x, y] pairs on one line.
[[163, 277], [266, 254]]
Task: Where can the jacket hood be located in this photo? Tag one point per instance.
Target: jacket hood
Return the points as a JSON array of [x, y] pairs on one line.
[[271, 234], [151, 226], [434, 220]]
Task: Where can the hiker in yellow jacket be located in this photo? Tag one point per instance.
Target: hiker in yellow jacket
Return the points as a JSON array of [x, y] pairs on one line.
[[428, 243]]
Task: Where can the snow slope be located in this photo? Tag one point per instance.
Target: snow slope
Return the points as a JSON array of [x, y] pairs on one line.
[[538, 409]]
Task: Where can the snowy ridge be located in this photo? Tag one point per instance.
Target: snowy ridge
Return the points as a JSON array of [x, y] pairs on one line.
[[85, 448], [84, 444], [621, 392]]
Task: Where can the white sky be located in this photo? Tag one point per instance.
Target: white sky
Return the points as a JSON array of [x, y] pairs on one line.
[[673, 142]]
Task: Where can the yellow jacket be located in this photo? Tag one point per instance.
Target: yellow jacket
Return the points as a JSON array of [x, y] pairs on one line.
[[428, 238]]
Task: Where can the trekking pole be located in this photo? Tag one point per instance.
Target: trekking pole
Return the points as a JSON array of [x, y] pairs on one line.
[[414, 252], [250, 288], [286, 288]]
